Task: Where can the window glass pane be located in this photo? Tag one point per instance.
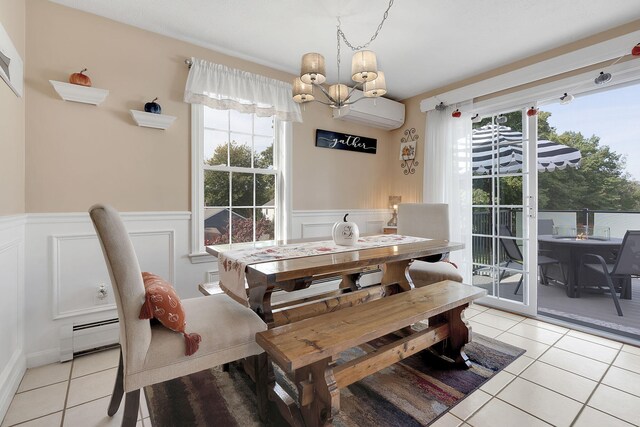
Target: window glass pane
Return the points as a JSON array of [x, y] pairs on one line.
[[215, 148], [216, 188], [483, 221], [263, 126], [240, 122], [216, 226], [242, 189], [263, 148], [483, 277], [512, 219], [242, 226], [240, 150], [265, 224], [482, 191], [265, 190], [510, 281], [511, 191], [216, 119], [482, 250]]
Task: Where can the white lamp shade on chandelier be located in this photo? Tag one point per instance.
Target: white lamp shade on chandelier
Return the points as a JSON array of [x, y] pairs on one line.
[[375, 88], [302, 92], [339, 92], [364, 67], [364, 73], [312, 70]]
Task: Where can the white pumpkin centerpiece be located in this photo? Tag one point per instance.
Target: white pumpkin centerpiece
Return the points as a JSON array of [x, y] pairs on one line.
[[345, 233]]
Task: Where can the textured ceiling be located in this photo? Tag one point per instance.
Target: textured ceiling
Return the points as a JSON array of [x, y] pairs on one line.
[[424, 45]]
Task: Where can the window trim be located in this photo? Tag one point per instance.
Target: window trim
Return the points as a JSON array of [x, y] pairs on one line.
[[282, 160]]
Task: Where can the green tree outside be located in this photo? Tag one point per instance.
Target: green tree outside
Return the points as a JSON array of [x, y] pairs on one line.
[[216, 191]]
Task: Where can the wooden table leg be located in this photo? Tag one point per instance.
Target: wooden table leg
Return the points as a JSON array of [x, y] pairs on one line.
[[319, 393], [397, 272], [260, 298]]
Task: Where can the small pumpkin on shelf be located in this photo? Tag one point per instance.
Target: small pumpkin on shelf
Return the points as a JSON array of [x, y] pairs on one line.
[[80, 79], [153, 107]]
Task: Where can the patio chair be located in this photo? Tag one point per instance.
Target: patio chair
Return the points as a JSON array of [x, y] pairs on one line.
[[627, 264], [514, 256], [545, 226]]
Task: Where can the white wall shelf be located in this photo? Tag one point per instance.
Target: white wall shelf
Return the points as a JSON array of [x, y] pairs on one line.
[[78, 93], [151, 120]]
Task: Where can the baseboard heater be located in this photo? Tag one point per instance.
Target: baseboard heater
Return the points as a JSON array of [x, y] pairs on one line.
[[81, 338]]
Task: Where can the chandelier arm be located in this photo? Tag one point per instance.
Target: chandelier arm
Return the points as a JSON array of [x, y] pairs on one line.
[[373, 37], [330, 104], [353, 102]]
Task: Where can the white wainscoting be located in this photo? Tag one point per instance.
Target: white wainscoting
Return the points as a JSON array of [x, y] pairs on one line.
[[65, 267], [12, 267], [318, 224]]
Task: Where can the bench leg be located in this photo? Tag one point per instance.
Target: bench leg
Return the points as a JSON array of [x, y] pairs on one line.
[[319, 394], [459, 335]]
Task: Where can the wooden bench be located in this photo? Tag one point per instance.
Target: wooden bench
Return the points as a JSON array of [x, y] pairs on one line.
[[306, 350]]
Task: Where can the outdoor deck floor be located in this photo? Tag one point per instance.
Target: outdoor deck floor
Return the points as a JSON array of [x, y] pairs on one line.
[[591, 309]]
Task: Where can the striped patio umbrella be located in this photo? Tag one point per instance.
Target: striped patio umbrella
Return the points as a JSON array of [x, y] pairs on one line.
[[493, 144]]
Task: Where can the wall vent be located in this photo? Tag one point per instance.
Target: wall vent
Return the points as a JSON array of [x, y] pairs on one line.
[[81, 338]]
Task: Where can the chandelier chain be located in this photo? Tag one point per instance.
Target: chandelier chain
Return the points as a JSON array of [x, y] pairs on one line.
[[373, 37]]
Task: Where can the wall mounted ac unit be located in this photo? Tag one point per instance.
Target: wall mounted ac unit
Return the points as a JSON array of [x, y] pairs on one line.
[[375, 112]]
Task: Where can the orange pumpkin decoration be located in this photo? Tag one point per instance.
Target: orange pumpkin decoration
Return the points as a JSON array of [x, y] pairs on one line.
[[80, 79]]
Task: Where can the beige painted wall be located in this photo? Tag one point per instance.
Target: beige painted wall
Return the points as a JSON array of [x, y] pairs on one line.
[[78, 154], [12, 116]]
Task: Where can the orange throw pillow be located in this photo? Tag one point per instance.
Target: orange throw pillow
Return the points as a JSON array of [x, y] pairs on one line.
[[162, 302]]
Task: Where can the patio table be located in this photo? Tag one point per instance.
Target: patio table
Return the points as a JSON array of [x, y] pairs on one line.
[[569, 251]]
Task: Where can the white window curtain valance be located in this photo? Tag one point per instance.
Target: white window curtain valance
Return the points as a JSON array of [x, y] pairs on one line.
[[224, 88]]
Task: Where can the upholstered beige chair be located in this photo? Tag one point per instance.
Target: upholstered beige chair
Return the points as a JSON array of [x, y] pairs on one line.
[[429, 220], [152, 354]]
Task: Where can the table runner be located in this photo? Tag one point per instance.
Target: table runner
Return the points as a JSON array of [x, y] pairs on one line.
[[232, 264]]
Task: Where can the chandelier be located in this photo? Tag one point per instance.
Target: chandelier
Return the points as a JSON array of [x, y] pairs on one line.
[[364, 73]]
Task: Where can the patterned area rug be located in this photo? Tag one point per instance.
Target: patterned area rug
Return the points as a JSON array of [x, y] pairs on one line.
[[413, 392]]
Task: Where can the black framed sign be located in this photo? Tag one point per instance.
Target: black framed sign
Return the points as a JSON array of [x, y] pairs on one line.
[[345, 141]]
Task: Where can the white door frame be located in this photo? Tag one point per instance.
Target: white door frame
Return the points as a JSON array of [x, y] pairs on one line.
[[529, 306]]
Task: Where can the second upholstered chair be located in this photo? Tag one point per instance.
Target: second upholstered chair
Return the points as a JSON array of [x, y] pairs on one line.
[[429, 220], [152, 353]]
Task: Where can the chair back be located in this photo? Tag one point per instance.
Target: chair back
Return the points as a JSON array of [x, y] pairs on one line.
[[509, 245], [545, 226], [126, 280], [428, 220], [628, 261]]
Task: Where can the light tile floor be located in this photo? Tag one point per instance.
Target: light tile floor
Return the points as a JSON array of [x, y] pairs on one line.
[[565, 378]]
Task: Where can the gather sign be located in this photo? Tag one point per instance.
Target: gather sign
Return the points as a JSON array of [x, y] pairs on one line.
[[345, 141]]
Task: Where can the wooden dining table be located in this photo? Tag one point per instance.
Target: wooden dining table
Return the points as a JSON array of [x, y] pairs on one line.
[[293, 274]]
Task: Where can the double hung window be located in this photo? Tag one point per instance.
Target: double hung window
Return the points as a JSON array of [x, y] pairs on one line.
[[239, 177]]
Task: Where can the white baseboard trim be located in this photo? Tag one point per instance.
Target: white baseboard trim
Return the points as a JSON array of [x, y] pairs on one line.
[[10, 380], [41, 358]]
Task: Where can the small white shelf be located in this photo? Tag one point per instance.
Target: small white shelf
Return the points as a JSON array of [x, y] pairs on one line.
[[78, 93], [150, 120]]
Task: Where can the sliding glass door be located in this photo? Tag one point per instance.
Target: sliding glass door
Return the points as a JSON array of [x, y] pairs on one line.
[[504, 183]]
